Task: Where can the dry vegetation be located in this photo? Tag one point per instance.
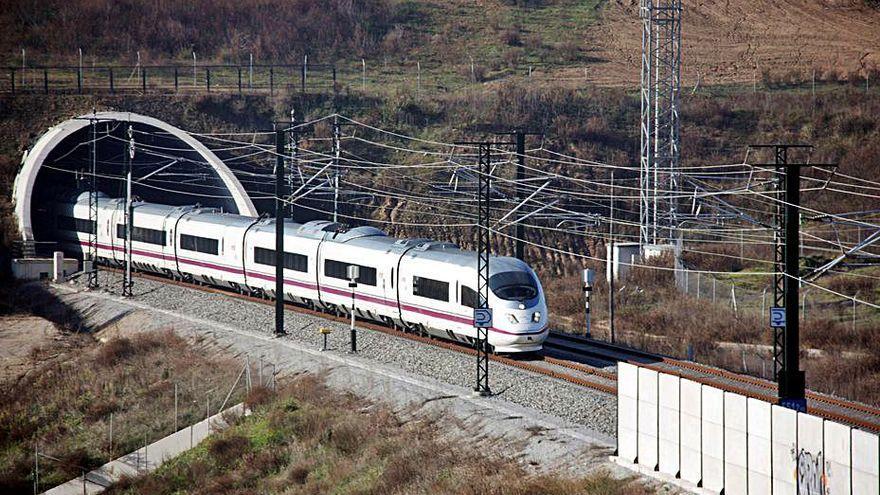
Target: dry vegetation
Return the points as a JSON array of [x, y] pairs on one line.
[[64, 403], [735, 41], [310, 440], [215, 29]]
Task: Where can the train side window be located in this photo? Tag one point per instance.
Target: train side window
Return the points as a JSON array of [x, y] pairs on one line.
[[76, 224], [292, 261], [339, 269], [468, 297], [199, 244], [141, 234], [432, 289]]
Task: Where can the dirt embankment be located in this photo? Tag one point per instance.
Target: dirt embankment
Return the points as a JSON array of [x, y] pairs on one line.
[[735, 41]]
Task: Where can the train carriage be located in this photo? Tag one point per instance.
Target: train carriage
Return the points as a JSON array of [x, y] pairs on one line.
[[300, 252], [208, 247], [419, 284]]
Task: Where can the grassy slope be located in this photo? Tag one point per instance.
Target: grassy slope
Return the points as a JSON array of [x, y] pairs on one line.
[[308, 440], [65, 402]]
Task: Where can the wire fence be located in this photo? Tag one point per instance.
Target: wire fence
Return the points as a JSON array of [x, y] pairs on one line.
[[365, 77], [744, 297], [192, 402]]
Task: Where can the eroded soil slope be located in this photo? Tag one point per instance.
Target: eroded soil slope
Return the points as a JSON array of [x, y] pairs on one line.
[[735, 41]]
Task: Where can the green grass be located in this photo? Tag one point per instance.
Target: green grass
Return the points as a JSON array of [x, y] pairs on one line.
[[326, 442]]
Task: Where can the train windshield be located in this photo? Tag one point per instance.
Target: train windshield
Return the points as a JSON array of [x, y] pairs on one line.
[[514, 286]]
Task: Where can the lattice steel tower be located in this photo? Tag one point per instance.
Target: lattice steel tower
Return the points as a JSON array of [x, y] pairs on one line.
[[660, 84]]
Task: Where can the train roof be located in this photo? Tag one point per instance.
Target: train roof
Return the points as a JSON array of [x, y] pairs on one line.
[[363, 236], [215, 217]]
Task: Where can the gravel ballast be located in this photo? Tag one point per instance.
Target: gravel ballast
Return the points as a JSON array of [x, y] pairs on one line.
[[593, 410]]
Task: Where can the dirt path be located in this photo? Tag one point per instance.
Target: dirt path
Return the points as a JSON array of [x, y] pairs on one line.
[[19, 337]]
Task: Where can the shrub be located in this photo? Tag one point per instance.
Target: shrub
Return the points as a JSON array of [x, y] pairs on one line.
[[227, 450], [258, 396], [512, 57], [115, 351], [270, 29], [850, 284], [511, 36], [569, 51]]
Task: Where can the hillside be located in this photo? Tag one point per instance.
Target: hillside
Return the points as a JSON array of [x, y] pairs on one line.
[[735, 41], [724, 41], [596, 122]]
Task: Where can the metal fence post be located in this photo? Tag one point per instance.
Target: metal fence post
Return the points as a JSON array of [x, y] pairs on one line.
[[144, 79], [733, 296], [175, 407], [854, 311], [271, 80], [110, 73], [175, 79], [79, 81], [36, 469], [208, 79], [239, 81], [12, 79], [302, 79], [46, 81]]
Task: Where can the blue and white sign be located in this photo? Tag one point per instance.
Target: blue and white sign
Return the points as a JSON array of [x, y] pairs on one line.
[[482, 317], [777, 317], [796, 404]]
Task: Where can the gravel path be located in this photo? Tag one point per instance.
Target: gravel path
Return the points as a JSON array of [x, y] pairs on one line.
[[594, 410]]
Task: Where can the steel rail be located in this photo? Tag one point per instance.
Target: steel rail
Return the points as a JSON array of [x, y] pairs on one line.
[[524, 365], [642, 356], [639, 355]]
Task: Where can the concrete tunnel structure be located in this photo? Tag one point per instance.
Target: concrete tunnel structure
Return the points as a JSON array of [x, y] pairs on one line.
[[181, 170]]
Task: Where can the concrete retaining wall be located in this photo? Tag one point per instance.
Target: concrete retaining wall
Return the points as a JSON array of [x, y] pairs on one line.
[[707, 440]]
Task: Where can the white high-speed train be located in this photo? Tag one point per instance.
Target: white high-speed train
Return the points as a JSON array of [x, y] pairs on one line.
[[419, 284]]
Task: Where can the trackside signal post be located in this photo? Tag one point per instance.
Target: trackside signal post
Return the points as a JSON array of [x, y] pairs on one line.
[[783, 315], [129, 215], [589, 276], [353, 273]]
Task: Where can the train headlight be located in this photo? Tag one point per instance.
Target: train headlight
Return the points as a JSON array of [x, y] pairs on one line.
[[536, 316], [512, 318]]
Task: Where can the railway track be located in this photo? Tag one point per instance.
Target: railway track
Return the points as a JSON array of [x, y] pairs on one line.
[[581, 361], [833, 408], [561, 369]]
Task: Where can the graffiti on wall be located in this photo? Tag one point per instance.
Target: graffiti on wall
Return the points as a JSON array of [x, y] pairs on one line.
[[810, 477]]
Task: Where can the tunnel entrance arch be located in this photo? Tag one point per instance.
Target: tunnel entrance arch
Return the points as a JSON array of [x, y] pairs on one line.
[[183, 170]]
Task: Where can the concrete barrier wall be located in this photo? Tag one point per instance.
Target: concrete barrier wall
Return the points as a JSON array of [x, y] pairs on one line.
[[670, 427], [627, 411], [784, 448], [691, 459], [713, 439], [722, 442], [736, 452], [838, 458], [810, 454], [648, 415], [759, 431], [865, 462]]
